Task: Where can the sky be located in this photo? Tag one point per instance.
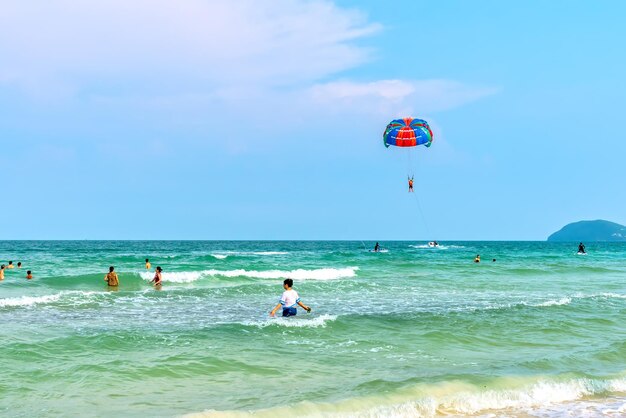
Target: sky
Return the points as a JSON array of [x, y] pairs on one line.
[[263, 119]]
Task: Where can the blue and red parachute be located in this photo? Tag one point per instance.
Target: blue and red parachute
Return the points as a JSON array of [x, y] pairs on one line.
[[407, 132]]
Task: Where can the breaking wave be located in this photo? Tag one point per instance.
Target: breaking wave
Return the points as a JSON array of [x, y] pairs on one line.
[[299, 274]]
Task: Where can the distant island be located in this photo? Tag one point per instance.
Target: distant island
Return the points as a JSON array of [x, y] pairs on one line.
[[590, 231]]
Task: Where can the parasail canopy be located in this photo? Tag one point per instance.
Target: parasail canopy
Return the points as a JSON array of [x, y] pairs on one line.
[[408, 132]]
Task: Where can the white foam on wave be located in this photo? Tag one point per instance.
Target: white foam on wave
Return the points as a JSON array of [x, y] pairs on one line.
[[299, 274], [28, 300], [454, 399], [536, 395], [247, 253], [548, 303], [296, 322], [562, 301], [613, 295], [25, 301], [268, 253], [438, 247], [174, 277], [223, 254]]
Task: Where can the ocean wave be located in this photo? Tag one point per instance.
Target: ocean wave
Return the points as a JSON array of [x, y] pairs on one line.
[[28, 300], [439, 247], [453, 398], [268, 253], [545, 304], [299, 274], [248, 253], [565, 300], [25, 301], [612, 295], [562, 301], [219, 256], [297, 322]]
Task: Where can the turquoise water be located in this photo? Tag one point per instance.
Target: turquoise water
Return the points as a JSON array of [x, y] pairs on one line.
[[415, 331]]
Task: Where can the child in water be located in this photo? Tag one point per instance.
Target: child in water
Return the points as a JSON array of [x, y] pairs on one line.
[[2, 272], [111, 278], [477, 259], [29, 275], [289, 301], [148, 265]]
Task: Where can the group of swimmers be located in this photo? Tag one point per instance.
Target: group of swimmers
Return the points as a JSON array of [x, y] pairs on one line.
[[10, 266], [113, 280], [289, 301], [111, 277]]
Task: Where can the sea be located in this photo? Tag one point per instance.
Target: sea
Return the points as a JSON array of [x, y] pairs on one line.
[[533, 330]]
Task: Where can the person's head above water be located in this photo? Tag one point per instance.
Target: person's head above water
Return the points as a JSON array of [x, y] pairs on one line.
[[159, 269], [147, 260], [288, 283], [111, 269]]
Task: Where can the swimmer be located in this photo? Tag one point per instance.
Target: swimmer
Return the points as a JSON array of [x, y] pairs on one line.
[[19, 264], [29, 275], [111, 278], [477, 259], [148, 265], [289, 301], [10, 266], [157, 277], [2, 267]]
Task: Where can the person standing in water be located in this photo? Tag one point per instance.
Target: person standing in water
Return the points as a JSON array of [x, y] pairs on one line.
[[411, 184], [10, 266], [376, 248], [148, 265], [477, 259], [111, 278], [157, 277], [289, 301], [29, 275], [2, 272], [581, 248]]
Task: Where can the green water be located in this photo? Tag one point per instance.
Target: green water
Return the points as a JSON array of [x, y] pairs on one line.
[[415, 331]]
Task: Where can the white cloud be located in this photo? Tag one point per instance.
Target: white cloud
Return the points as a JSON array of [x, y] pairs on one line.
[[398, 97], [217, 42], [191, 68]]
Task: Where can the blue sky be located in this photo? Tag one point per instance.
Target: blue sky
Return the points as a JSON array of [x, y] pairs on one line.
[[252, 119]]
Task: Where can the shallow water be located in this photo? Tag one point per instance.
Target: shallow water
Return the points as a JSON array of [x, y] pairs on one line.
[[415, 331]]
